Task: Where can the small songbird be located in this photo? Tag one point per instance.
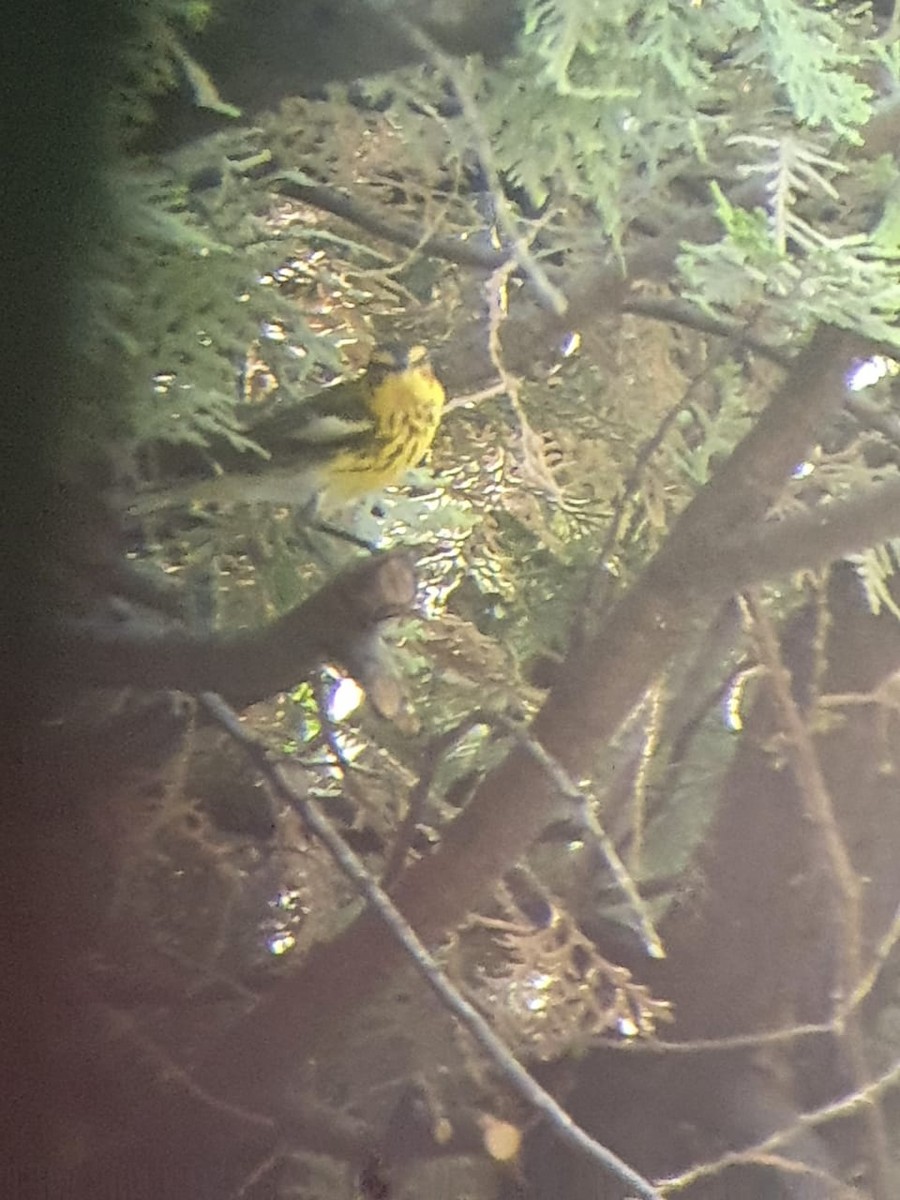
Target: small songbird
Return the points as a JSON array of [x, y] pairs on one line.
[[337, 446]]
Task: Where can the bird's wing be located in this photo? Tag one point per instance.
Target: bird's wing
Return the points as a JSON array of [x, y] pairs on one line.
[[328, 428], [333, 416]]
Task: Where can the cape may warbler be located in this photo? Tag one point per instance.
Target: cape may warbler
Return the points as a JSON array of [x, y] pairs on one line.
[[356, 437]]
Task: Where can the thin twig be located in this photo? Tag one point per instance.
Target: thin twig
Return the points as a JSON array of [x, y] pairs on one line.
[[329, 732], [548, 294], [681, 312], [535, 470], [431, 224], [818, 809], [867, 982], [755, 1157], [813, 789], [418, 795], [467, 253], [585, 812], [741, 1041], [473, 399], [510, 1068], [601, 577], [844, 1107], [123, 1025]]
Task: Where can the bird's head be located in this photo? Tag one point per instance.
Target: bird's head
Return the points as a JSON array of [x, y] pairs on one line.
[[395, 358]]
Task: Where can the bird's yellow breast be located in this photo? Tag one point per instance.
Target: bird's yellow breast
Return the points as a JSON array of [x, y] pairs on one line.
[[406, 406]]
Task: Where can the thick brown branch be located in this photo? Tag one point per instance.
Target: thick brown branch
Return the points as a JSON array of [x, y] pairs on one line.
[[834, 528], [338, 624]]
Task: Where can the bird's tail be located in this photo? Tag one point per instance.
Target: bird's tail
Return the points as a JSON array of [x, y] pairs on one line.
[[268, 487]]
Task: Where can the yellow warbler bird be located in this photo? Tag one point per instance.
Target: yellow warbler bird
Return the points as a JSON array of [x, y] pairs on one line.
[[349, 440]]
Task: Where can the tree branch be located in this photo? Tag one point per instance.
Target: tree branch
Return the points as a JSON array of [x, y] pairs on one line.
[[830, 848], [846, 1106], [681, 312], [473, 253], [599, 284], [549, 294], [834, 528], [340, 624]]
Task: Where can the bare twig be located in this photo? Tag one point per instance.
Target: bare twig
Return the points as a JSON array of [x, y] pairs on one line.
[[742, 1041], [866, 982], [600, 578], [813, 789], [124, 1026], [534, 468], [844, 1107], [473, 399], [506, 1063], [584, 812], [546, 291], [427, 235], [847, 900], [762, 1158], [468, 253], [418, 796]]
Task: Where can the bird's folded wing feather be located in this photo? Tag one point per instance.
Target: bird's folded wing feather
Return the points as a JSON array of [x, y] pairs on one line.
[[328, 428], [329, 418]]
